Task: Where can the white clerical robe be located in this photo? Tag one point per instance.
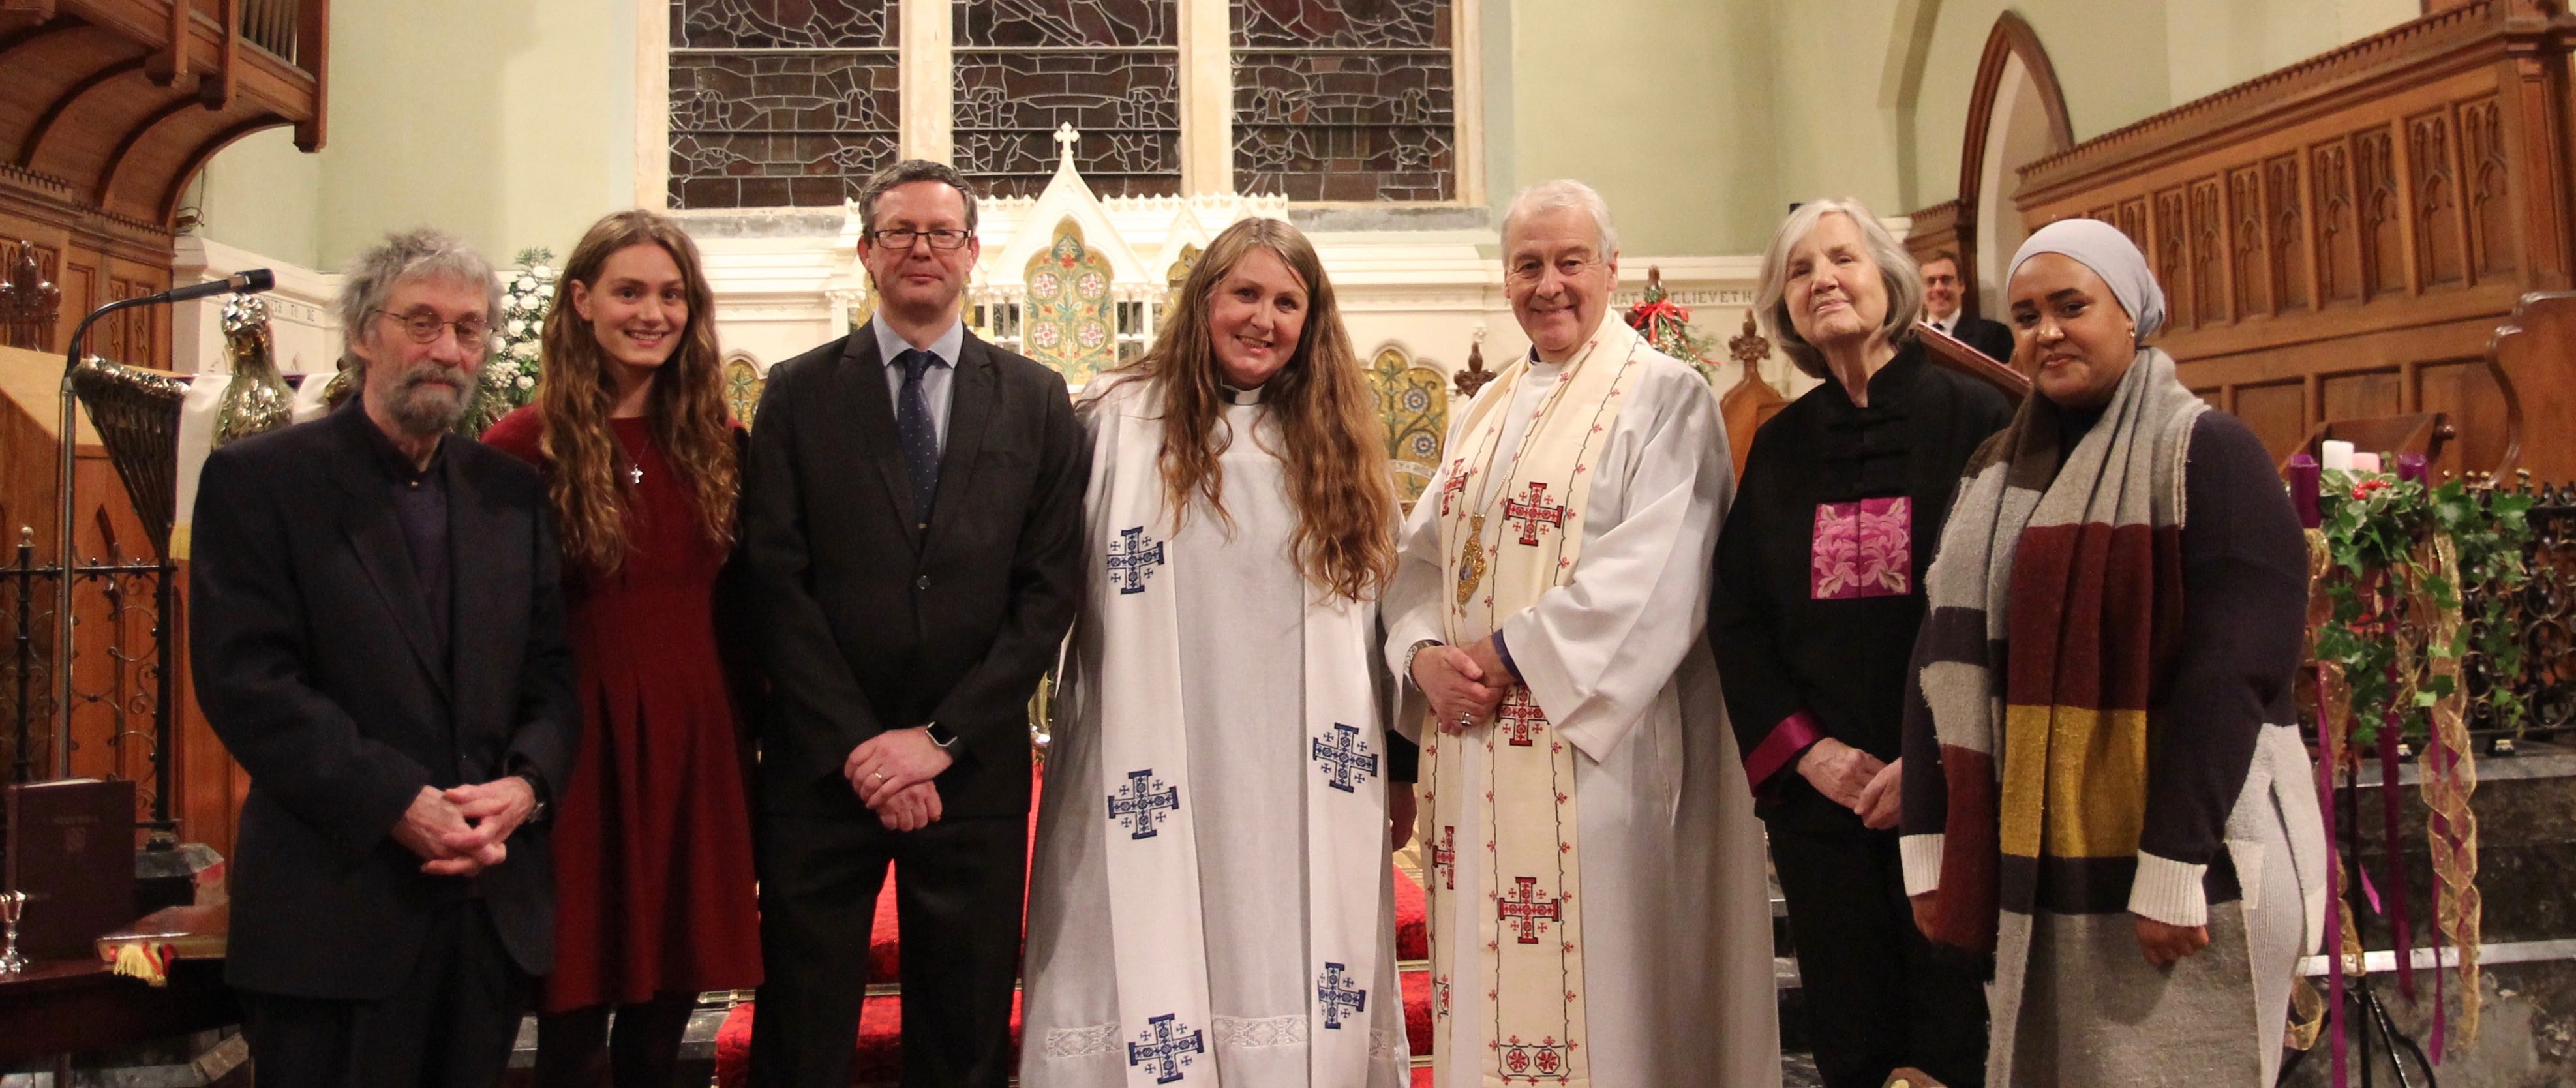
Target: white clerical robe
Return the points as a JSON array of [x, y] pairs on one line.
[[1242, 610], [1676, 917]]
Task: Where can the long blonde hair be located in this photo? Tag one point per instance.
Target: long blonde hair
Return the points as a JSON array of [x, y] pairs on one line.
[[1332, 442], [685, 407]]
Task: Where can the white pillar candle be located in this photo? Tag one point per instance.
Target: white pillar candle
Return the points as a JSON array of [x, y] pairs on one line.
[[2335, 456]]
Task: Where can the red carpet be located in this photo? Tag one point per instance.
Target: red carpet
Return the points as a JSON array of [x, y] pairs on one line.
[[880, 1029]]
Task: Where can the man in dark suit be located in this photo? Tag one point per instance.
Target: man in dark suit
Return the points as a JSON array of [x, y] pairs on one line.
[[378, 637], [1942, 289], [912, 526]]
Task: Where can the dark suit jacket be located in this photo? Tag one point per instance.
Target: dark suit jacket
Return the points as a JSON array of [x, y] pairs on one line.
[[311, 647], [1990, 337], [871, 624]]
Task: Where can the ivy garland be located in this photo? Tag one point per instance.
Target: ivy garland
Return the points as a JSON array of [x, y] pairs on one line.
[[2382, 535]]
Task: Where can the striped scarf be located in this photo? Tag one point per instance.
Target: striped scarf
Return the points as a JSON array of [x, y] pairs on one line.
[[2068, 582]]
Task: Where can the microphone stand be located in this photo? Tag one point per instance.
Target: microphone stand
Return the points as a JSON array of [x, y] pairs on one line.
[[251, 282]]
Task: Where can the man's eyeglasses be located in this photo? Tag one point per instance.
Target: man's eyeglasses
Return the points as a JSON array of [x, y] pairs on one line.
[[424, 327], [900, 238], [1528, 270]]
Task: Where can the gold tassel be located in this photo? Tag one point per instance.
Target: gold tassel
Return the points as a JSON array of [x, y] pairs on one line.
[[136, 959]]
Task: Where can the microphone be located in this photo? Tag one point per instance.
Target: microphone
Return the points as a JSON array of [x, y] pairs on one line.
[[251, 282]]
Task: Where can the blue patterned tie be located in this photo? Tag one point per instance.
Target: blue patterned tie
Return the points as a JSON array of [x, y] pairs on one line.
[[920, 440]]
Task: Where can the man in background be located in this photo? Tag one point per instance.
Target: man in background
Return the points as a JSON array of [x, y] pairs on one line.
[[1942, 291]]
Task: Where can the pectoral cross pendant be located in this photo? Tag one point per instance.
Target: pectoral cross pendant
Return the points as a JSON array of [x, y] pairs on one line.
[[1471, 560], [635, 474]]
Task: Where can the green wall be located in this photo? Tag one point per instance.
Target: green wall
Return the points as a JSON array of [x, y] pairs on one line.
[[507, 122], [261, 194], [1656, 106]]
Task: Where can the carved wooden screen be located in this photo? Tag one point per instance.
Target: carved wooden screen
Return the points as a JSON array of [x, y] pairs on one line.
[[2340, 239], [1069, 322], [1110, 68], [30, 304], [1414, 402], [1345, 101], [780, 102]]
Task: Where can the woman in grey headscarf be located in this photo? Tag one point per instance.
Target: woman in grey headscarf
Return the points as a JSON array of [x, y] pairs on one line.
[[2104, 784]]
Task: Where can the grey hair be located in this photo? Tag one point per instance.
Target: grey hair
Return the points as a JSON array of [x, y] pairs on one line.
[[369, 279], [905, 173], [1896, 270], [1564, 193]]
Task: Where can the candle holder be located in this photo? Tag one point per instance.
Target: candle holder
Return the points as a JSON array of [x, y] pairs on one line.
[[12, 906]]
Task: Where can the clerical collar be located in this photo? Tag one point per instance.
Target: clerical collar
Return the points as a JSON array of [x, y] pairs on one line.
[[1233, 395], [944, 350]]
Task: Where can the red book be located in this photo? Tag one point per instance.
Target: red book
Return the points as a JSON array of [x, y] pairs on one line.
[[70, 847]]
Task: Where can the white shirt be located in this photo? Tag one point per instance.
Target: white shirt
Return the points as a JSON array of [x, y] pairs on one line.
[[935, 381]]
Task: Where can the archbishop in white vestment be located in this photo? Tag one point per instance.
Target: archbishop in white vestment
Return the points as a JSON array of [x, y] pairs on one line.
[[1212, 902], [1662, 925]]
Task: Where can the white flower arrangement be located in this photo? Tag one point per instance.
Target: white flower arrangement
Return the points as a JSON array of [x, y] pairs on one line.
[[510, 378], [524, 321]]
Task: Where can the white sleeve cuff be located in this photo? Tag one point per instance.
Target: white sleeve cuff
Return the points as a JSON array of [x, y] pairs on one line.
[[2169, 891], [1922, 857]]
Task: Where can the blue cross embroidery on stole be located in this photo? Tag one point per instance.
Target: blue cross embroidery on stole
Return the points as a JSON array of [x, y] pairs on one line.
[[1346, 758], [1163, 1048], [1337, 995], [1140, 805], [1132, 559]]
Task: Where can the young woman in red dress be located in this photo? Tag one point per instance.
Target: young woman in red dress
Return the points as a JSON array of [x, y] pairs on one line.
[[652, 837]]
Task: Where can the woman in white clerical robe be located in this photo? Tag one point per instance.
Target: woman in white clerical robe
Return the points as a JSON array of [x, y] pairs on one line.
[[1211, 901]]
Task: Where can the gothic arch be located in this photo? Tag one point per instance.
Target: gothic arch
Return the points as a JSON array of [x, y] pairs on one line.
[[2016, 114]]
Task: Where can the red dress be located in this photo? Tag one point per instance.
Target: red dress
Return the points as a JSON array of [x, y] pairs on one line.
[[652, 837]]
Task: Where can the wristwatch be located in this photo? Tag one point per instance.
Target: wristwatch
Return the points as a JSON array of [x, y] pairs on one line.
[[1409, 655], [537, 787], [940, 736]]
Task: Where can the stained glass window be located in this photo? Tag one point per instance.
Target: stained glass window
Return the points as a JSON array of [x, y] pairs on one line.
[[779, 103], [1109, 68], [1353, 100]]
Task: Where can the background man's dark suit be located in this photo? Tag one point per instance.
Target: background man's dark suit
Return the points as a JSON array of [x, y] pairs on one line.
[[319, 665], [1990, 337], [871, 625]]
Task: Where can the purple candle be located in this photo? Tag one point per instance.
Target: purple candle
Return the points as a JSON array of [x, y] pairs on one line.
[[2304, 478], [2410, 466]]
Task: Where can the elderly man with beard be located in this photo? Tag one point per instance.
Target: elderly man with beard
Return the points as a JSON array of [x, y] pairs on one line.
[[378, 637]]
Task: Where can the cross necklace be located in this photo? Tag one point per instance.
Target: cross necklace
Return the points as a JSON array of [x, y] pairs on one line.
[[1492, 496]]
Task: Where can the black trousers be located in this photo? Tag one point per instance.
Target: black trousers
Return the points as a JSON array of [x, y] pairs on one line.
[[959, 885], [450, 1025], [1878, 995]]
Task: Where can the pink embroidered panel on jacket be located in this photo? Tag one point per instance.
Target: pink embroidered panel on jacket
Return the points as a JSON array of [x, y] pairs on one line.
[[1862, 549]]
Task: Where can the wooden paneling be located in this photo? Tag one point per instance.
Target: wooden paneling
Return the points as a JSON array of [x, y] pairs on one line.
[[2491, 248], [2465, 392], [2249, 256], [2285, 257], [2365, 395], [2277, 413], [2339, 223], [2341, 239], [2441, 247]]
